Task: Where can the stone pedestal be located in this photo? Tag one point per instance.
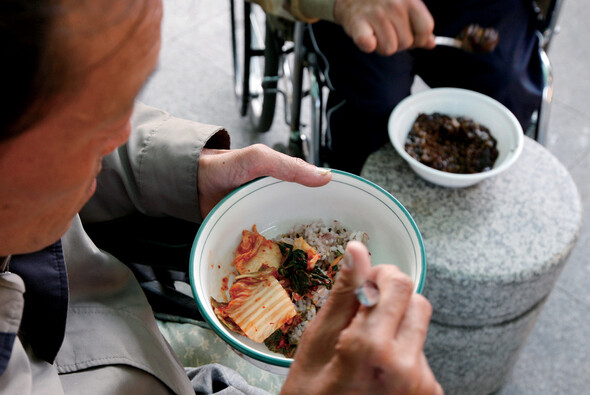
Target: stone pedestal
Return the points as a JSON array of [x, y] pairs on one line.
[[494, 251]]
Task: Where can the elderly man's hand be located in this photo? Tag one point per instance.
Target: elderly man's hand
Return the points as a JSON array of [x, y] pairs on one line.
[[386, 26], [353, 349], [222, 171]]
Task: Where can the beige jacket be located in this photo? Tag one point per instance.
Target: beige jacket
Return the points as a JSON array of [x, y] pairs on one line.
[[112, 344]]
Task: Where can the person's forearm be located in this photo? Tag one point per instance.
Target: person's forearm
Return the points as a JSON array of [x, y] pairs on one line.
[[303, 10], [156, 171], [321, 9]]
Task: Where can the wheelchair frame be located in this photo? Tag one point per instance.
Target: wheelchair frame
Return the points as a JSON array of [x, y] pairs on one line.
[[278, 63], [547, 14]]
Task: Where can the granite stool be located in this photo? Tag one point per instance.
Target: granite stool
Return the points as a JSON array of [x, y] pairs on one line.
[[494, 252]]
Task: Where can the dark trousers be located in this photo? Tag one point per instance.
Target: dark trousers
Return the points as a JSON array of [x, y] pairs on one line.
[[366, 87]]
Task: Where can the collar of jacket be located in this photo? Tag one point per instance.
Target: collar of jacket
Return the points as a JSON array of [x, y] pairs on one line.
[[46, 299], [4, 263], [12, 303]]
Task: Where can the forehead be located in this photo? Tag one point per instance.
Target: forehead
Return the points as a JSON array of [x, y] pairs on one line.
[[93, 31], [111, 47]]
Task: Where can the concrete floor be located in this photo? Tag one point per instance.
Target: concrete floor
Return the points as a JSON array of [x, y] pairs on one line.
[[194, 80]]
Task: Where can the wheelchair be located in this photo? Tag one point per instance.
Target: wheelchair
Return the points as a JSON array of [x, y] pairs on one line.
[[275, 58]]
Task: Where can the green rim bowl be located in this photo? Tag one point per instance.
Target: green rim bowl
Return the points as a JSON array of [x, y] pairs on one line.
[[276, 206]]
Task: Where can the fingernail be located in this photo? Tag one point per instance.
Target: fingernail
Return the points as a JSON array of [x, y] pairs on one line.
[[347, 261], [323, 171]]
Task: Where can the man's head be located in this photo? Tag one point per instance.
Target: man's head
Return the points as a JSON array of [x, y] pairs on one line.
[[77, 72]]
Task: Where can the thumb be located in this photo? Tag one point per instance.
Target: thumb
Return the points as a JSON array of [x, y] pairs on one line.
[[264, 161], [342, 304], [355, 267]]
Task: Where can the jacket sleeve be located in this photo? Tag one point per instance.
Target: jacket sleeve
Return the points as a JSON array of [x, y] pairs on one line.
[[304, 10], [155, 173]]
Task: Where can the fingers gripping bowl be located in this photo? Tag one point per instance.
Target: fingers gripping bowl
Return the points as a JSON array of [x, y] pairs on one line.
[[275, 207], [455, 102]]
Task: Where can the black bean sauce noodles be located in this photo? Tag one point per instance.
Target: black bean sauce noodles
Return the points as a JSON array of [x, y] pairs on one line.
[[451, 144]]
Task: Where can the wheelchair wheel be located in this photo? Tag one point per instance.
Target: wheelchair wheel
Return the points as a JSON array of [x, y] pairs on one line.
[[306, 140], [237, 11], [316, 100], [256, 52], [308, 143]]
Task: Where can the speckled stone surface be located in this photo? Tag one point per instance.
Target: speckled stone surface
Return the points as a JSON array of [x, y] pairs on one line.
[[477, 360], [495, 249]]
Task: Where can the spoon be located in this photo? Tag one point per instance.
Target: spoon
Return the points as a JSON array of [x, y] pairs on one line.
[[472, 38], [367, 294]]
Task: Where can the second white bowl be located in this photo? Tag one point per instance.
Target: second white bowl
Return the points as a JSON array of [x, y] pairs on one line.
[[502, 124]]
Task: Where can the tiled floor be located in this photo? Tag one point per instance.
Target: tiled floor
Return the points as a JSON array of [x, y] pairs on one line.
[[194, 81]]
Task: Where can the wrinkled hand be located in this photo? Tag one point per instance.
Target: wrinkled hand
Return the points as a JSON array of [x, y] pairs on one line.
[[222, 171], [386, 26], [349, 348]]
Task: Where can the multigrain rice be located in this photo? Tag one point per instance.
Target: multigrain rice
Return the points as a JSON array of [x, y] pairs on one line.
[[330, 241]]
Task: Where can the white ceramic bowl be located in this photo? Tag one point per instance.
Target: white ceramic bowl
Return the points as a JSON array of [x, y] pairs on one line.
[[276, 206], [502, 124]]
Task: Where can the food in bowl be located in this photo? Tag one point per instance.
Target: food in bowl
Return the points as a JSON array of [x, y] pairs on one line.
[[451, 144], [461, 102], [276, 207], [280, 284], [475, 38]]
